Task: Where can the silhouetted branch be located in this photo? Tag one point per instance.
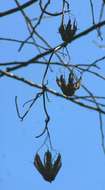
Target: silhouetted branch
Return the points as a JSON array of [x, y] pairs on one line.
[[14, 10]]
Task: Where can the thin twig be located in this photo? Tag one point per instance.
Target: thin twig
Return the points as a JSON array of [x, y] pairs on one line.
[[29, 108]]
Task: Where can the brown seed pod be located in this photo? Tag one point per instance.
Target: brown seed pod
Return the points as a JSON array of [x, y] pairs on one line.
[[68, 88], [48, 168], [68, 31]]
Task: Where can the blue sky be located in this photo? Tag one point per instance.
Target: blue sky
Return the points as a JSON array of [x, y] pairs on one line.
[[74, 130]]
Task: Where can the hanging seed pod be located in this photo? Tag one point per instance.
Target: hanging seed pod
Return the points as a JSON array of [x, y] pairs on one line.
[[68, 31], [48, 168], [68, 88]]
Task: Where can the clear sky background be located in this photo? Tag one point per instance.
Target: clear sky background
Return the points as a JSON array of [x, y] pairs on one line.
[[74, 130]]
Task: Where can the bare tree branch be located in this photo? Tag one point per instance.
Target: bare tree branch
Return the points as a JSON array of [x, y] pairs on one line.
[[14, 10]]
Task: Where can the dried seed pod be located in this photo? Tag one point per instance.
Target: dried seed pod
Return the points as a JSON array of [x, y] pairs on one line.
[[49, 170], [68, 88], [68, 31]]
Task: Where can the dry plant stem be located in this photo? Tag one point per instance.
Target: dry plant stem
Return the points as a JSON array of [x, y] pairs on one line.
[[32, 28], [46, 70], [15, 40], [29, 108], [47, 119], [44, 104], [100, 18], [93, 19], [49, 13], [27, 20], [92, 11], [43, 144], [89, 100], [101, 12], [41, 15]]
